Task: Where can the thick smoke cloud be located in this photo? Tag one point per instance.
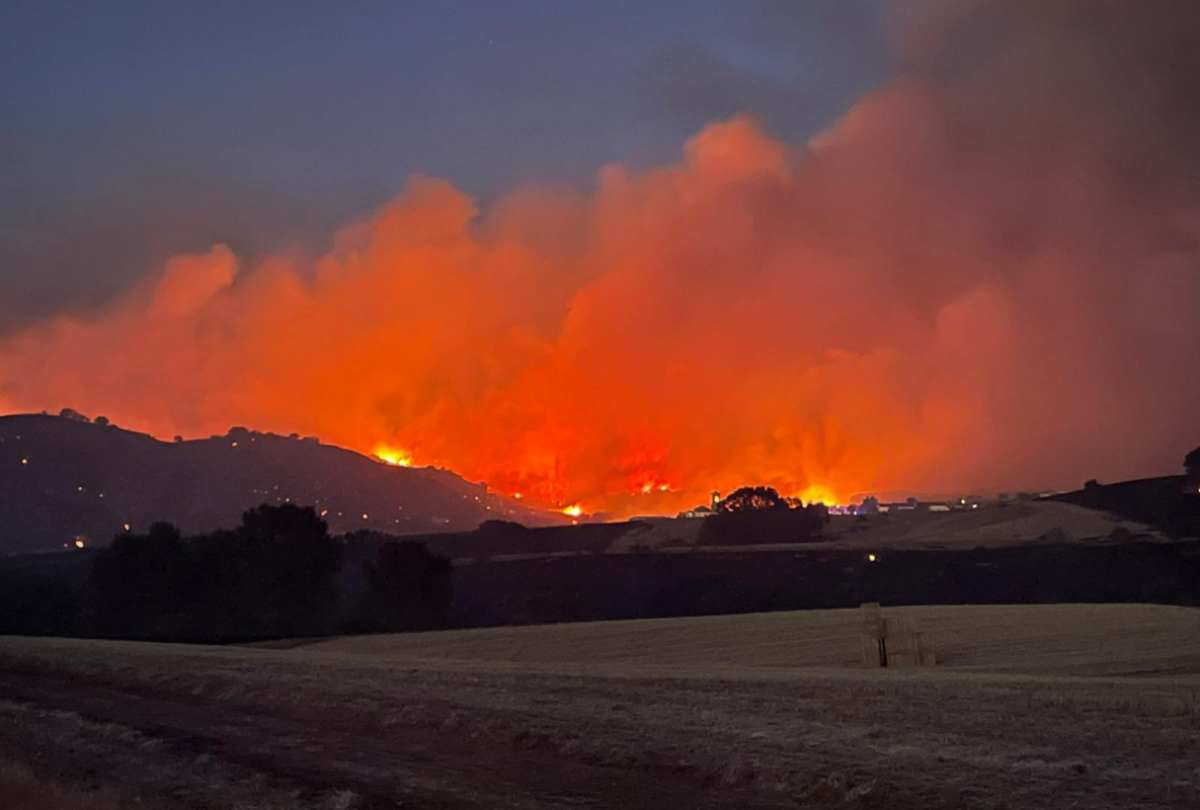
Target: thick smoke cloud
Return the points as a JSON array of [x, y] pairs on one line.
[[985, 276]]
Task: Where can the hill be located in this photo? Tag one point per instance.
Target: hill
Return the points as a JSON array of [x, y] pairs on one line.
[[65, 478], [1169, 503]]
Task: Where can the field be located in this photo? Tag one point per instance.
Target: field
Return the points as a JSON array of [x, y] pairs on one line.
[[989, 526], [1089, 706]]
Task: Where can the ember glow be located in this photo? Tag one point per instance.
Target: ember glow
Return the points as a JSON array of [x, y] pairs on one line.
[[392, 456], [977, 279]]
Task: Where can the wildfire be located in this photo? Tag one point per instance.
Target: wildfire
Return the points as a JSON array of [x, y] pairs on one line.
[[393, 456], [574, 510], [817, 493]]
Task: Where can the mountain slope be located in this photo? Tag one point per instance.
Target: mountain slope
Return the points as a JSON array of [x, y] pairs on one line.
[[63, 478]]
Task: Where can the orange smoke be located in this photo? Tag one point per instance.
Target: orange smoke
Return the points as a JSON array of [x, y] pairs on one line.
[[901, 304]]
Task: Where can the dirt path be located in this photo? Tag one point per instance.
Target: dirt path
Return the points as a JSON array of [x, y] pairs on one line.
[[397, 766]]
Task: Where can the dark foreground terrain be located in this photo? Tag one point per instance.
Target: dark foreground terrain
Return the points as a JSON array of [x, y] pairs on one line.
[[376, 722]]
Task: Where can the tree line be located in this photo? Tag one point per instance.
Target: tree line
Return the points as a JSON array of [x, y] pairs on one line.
[[279, 574]]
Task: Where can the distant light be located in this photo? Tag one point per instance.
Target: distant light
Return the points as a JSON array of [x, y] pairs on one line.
[[79, 488], [366, 516], [79, 543], [233, 444], [872, 558], [574, 510], [24, 461], [126, 526], [324, 512], [517, 495], [974, 506]]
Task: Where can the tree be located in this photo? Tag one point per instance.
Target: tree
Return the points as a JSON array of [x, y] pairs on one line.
[[752, 499], [1191, 463], [289, 565], [407, 588], [135, 586]]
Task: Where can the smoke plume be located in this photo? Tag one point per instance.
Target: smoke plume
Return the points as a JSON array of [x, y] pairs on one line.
[[985, 275]]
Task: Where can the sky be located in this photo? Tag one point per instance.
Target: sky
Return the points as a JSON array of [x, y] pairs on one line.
[[616, 255], [134, 130]]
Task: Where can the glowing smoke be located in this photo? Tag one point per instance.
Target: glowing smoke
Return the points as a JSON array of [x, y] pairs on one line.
[[984, 276]]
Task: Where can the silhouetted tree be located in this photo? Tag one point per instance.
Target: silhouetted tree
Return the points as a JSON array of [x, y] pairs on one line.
[[293, 564], [748, 498], [759, 515], [133, 590], [406, 588], [1191, 464]]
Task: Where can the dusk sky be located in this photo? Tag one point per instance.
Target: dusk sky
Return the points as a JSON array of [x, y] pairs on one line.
[[137, 130], [615, 255]]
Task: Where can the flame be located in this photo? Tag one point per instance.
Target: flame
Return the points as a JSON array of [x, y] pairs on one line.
[[393, 456], [876, 309], [817, 493]]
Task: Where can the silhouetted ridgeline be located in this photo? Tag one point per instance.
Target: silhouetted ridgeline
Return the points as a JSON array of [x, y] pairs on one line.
[[1170, 503], [62, 477], [278, 575]]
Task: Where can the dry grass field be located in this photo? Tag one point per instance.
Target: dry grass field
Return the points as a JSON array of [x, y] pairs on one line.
[[990, 526], [1033, 639], [1040, 707]]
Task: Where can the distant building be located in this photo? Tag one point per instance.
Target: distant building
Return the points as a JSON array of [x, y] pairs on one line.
[[698, 512]]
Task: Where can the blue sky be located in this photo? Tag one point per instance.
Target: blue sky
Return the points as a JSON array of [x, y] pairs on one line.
[[140, 129]]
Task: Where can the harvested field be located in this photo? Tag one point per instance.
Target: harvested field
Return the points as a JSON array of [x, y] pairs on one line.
[[1041, 708], [1034, 639]]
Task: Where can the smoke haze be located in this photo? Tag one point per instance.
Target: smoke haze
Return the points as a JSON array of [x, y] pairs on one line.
[[984, 276]]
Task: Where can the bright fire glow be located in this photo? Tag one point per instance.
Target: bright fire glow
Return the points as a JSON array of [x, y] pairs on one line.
[[816, 493], [393, 456], [687, 323]]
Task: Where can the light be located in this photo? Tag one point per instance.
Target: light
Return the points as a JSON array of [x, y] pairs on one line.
[[79, 542], [574, 510], [126, 526], [517, 495], [393, 456], [818, 493], [366, 516], [233, 444], [872, 558], [24, 461]]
